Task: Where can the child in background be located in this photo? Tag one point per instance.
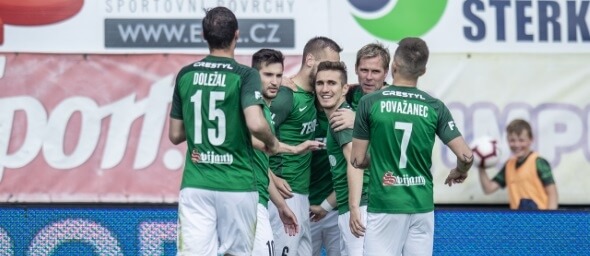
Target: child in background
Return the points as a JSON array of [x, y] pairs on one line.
[[527, 176]]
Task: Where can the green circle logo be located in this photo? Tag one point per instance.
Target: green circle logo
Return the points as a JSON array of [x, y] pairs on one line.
[[406, 17]]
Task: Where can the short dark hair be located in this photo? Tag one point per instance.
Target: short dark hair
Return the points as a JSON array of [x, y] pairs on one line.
[[519, 125], [219, 27], [316, 45], [374, 50], [411, 57], [335, 66], [267, 56]]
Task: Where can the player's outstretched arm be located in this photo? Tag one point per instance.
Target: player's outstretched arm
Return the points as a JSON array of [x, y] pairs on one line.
[[176, 132], [260, 129], [464, 161], [303, 147], [359, 158], [287, 216]]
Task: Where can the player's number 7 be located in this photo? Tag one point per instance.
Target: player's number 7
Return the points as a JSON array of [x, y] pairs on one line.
[[407, 128]]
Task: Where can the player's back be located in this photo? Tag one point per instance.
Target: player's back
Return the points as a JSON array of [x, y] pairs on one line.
[[404, 122], [212, 92]]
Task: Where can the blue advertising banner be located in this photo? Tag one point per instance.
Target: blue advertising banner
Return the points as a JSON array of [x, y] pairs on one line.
[[151, 230]]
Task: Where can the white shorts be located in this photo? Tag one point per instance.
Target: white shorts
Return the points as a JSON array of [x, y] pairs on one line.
[[353, 246], [299, 244], [325, 233], [263, 240], [397, 234], [216, 222]]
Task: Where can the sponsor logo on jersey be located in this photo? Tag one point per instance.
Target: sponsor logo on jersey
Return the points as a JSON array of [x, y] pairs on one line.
[[452, 125], [404, 94], [309, 127], [389, 179], [322, 140], [206, 64], [211, 157], [303, 108]]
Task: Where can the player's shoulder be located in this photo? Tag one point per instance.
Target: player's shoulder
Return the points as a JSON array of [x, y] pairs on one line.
[[285, 91], [288, 83], [353, 88], [283, 101], [373, 95]]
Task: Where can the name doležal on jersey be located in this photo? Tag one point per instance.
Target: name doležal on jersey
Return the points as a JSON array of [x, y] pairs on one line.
[[210, 157], [209, 79], [404, 180]]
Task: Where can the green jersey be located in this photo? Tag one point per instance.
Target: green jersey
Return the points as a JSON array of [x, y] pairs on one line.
[[400, 124], [294, 116], [320, 185], [261, 167], [334, 143], [209, 96], [354, 95]]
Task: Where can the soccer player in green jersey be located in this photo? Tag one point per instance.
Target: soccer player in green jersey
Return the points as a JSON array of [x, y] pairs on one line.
[[322, 199], [218, 198], [331, 88], [401, 123], [371, 68], [269, 64], [294, 116]]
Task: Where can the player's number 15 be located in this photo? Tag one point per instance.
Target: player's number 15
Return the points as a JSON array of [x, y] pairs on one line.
[[215, 137]]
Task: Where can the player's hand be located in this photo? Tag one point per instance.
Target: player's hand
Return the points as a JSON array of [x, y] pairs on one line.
[[289, 220], [316, 213], [455, 177], [195, 156], [309, 145], [342, 119], [356, 225], [283, 187]]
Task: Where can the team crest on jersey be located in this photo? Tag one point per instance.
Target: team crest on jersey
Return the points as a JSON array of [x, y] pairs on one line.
[[332, 160], [257, 95]]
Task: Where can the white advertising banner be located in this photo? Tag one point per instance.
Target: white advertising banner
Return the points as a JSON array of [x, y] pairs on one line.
[[487, 91], [93, 128], [85, 85], [174, 26]]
